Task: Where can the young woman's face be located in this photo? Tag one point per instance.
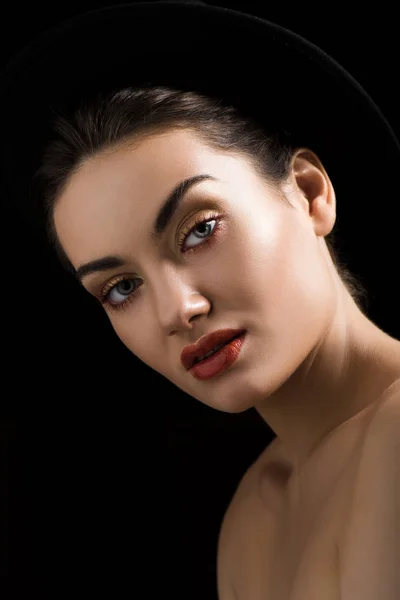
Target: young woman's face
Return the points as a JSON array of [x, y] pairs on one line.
[[256, 264]]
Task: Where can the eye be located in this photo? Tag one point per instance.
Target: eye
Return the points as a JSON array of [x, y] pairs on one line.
[[203, 223], [208, 227], [126, 287]]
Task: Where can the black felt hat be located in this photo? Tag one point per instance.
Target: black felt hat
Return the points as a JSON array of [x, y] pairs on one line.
[[266, 71]]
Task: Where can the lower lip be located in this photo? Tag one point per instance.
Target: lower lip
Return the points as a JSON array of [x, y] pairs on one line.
[[218, 362]]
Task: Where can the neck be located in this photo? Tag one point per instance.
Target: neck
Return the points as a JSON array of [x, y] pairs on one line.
[[346, 374]]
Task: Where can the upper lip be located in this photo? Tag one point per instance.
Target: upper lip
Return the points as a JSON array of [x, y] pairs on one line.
[[207, 343]]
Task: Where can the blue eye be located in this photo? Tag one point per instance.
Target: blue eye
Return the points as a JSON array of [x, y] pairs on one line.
[[130, 294], [202, 235]]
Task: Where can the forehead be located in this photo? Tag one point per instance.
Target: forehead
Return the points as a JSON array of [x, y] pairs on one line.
[[144, 170], [128, 183], [157, 157]]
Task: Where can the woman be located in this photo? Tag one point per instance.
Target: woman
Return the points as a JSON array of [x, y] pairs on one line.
[[198, 227]]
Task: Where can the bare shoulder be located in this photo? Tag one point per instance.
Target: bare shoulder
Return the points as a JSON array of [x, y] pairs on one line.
[[386, 419], [382, 435], [240, 529], [373, 516]]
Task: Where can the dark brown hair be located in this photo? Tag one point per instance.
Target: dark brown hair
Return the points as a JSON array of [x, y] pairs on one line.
[[131, 113]]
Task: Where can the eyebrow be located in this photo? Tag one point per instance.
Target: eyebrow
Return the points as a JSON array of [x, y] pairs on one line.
[[163, 218]]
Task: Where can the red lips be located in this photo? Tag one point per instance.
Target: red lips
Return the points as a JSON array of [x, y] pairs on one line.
[[207, 343]]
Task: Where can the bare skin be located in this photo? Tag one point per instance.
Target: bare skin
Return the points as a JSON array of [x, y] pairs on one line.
[[283, 535], [313, 365]]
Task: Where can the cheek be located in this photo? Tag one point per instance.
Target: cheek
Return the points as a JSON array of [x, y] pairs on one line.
[[283, 278]]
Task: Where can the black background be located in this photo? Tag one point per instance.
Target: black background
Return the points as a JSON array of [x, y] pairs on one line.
[[113, 484]]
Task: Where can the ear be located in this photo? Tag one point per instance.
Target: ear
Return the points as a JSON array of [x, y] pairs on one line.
[[313, 191]]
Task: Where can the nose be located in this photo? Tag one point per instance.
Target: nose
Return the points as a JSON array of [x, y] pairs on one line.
[[177, 304]]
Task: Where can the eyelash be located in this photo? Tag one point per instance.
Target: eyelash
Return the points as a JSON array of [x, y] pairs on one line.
[[104, 299]]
